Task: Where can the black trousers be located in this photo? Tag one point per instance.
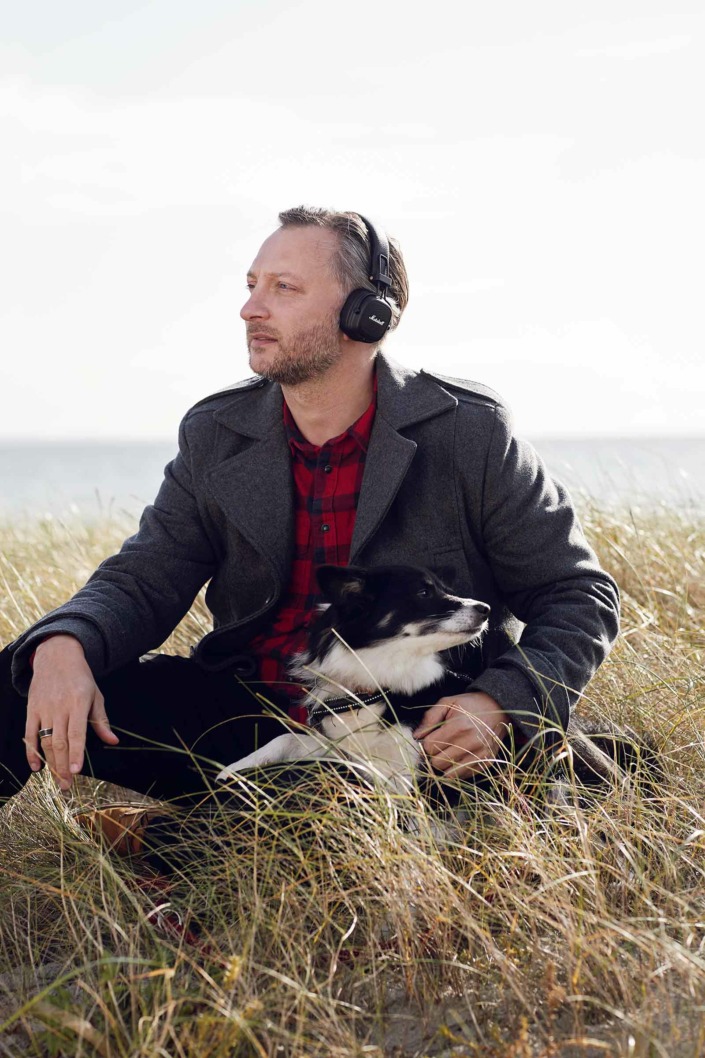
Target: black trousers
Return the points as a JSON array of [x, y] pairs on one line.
[[178, 726]]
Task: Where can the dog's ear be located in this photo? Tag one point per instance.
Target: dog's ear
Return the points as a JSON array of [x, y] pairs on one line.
[[342, 584]]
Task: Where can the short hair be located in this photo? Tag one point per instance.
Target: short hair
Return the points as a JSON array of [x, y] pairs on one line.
[[352, 261]]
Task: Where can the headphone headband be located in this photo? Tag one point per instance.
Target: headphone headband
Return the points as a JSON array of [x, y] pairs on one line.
[[379, 256], [366, 314]]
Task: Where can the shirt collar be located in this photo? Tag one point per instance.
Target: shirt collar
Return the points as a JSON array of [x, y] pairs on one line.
[[359, 433]]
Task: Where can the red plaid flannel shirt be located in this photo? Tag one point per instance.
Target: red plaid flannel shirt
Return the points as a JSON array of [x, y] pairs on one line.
[[327, 482]]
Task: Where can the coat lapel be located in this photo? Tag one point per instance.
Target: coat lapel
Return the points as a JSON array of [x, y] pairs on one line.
[[255, 487], [388, 459], [404, 397]]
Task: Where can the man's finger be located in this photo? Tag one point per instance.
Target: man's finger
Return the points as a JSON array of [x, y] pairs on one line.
[[56, 749], [98, 719], [433, 716], [77, 744], [456, 761], [31, 732], [446, 755], [471, 766], [455, 731], [47, 756]]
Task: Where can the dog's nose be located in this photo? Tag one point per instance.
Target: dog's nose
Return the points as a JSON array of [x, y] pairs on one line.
[[481, 609]]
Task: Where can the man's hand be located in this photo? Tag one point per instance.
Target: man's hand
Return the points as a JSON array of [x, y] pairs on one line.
[[63, 696], [461, 734]]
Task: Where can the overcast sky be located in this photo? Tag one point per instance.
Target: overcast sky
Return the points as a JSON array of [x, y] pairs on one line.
[[542, 164]]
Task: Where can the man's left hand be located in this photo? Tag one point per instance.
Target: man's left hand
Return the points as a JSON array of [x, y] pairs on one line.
[[462, 734]]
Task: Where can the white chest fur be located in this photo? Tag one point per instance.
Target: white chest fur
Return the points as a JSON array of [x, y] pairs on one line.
[[403, 664]]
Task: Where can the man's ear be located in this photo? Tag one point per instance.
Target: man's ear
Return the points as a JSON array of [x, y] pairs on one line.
[[342, 585]]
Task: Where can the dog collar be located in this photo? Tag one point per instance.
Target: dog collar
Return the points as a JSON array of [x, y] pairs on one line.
[[343, 705], [345, 702]]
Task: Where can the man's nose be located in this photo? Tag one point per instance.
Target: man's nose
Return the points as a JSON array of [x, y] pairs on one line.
[[255, 307]]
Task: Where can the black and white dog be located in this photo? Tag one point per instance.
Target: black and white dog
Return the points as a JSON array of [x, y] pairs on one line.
[[373, 667]]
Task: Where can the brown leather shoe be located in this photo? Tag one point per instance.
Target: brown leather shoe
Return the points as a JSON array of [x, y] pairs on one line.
[[121, 826]]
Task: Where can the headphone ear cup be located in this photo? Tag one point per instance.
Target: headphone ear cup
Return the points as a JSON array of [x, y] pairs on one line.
[[365, 317], [350, 312]]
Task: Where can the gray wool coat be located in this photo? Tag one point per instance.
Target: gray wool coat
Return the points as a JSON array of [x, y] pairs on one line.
[[446, 485]]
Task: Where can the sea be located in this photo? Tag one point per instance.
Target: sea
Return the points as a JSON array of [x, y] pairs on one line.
[[97, 479]]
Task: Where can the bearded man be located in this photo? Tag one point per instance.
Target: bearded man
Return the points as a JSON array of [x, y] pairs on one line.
[[331, 453]]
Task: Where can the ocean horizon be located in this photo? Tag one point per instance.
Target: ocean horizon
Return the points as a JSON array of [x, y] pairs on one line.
[[91, 479]]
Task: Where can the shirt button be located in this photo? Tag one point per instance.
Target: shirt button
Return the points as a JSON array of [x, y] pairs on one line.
[[327, 468], [325, 527]]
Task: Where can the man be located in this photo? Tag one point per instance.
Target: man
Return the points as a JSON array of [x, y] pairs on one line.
[[332, 453]]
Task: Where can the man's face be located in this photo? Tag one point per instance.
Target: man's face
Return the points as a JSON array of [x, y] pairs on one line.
[[294, 305]]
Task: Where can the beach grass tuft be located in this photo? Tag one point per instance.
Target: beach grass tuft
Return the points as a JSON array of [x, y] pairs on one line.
[[336, 921]]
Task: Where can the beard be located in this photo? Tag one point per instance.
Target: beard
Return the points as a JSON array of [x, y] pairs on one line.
[[305, 355]]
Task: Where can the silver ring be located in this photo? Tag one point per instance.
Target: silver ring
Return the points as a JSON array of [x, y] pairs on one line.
[[46, 731]]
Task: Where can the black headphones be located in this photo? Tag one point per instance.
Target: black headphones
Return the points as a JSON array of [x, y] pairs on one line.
[[366, 314]]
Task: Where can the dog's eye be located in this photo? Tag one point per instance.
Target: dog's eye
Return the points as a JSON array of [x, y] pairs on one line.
[[424, 593]]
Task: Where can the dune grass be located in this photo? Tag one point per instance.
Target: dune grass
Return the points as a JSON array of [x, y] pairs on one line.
[[328, 929]]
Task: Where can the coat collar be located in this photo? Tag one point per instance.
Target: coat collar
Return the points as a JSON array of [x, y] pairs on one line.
[[255, 487], [404, 397]]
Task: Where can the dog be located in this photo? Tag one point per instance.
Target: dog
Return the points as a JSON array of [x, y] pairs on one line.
[[373, 653], [373, 666]]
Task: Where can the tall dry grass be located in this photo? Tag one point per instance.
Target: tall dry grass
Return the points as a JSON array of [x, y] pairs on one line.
[[331, 930]]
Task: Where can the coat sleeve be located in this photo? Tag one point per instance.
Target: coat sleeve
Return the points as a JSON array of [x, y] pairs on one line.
[[135, 598], [551, 580]]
